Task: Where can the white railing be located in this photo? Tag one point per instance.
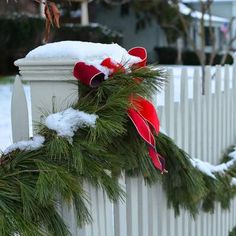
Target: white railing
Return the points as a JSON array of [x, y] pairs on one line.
[[203, 125]]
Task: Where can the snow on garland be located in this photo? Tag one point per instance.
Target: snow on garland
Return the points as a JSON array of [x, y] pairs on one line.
[[67, 122], [35, 143], [211, 170]]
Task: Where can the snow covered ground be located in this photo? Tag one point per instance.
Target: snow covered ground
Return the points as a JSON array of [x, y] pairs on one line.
[[5, 116]]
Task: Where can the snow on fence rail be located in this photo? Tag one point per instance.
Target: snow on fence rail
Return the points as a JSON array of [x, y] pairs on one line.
[[203, 125]]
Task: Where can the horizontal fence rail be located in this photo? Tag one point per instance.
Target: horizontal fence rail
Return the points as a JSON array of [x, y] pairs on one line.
[[203, 125]]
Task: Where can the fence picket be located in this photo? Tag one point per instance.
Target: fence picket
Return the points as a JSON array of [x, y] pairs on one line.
[[19, 112], [234, 99], [192, 129], [87, 229], [209, 112], [184, 109], [120, 215], [109, 210], [208, 132], [132, 206], [94, 211], [197, 108], [184, 106], [170, 122], [227, 107], [143, 205], [153, 206], [169, 105], [101, 212], [231, 110], [214, 158], [219, 105]]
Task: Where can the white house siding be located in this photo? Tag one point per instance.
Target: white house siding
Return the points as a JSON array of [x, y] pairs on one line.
[[225, 9], [222, 9], [149, 37]]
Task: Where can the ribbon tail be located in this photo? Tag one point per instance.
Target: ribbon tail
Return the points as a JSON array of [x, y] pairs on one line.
[[147, 110], [145, 132], [141, 126], [156, 159]]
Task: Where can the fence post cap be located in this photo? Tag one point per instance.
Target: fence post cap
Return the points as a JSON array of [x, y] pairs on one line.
[[52, 69]]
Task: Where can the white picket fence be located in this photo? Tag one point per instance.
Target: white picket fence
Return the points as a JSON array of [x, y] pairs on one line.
[[204, 126]]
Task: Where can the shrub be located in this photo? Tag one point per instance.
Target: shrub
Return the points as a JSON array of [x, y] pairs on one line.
[[168, 55], [93, 33], [190, 58], [233, 232], [18, 35]]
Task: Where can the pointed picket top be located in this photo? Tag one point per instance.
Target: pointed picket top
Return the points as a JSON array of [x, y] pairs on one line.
[[19, 112], [184, 108], [169, 104]]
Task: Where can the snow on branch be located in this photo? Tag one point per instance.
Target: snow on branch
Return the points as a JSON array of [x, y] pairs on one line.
[[67, 122], [211, 170], [35, 143]]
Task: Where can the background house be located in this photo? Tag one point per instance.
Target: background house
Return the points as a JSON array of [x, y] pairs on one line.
[[28, 30], [153, 35], [224, 9]]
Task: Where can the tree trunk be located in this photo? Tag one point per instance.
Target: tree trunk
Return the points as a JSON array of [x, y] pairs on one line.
[[179, 51]]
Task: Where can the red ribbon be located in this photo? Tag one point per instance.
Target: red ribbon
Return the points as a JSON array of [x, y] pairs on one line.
[[142, 112], [145, 119]]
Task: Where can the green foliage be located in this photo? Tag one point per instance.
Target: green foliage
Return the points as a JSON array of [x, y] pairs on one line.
[[23, 208], [164, 13], [233, 232], [32, 183], [18, 35], [21, 33], [91, 33], [168, 55], [184, 184]]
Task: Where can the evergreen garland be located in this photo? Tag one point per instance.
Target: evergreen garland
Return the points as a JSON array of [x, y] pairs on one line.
[[233, 232], [32, 182]]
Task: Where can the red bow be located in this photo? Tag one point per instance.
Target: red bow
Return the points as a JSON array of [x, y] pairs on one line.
[[142, 112]]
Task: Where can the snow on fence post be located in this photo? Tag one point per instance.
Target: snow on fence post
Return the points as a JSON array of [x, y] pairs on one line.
[[19, 112]]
